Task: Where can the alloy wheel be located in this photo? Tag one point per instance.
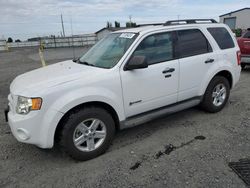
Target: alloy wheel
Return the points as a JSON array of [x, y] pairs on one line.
[[89, 135], [219, 94]]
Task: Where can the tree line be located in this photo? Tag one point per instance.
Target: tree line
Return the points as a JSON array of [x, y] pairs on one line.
[[10, 40], [118, 24]]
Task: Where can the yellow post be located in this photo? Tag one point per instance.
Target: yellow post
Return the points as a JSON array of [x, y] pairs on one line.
[[42, 57], [41, 45]]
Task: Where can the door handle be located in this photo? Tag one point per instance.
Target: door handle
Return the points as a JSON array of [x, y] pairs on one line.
[[209, 61], [168, 70]]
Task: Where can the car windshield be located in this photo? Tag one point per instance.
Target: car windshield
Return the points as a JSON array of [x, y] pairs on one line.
[[107, 52]]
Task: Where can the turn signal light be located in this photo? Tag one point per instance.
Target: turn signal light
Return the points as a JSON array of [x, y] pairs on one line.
[[36, 104]]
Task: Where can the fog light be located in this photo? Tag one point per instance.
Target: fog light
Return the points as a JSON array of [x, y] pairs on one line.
[[23, 134]]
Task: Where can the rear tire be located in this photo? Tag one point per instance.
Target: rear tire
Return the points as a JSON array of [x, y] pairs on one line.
[[216, 95], [243, 66], [87, 133]]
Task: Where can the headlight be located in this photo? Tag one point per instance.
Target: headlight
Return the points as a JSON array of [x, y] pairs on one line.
[[25, 104]]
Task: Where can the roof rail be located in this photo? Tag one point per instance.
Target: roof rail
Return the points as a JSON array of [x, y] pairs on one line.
[[189, 21], [150, 24]]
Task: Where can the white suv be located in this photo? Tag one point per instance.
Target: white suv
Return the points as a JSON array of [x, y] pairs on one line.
[[130, 77]]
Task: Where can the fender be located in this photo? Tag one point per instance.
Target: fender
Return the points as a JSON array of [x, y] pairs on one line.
[[74, 98], [48, 128], [89, 94]]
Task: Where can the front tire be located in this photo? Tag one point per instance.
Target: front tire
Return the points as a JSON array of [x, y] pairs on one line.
[[87, 133], [216, 95]]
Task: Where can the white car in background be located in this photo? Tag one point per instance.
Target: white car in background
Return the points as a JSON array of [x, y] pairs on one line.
[[128, 78]]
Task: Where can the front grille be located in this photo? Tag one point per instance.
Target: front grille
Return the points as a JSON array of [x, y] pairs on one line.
[[242, 169]]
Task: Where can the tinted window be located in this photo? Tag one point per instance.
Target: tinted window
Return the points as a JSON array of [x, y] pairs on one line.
[[156, 48], [247, 35], [222, 37], [192, 42]]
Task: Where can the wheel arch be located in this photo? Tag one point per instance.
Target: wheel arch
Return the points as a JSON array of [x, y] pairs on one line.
[[103, 105], [227, 75], [224, 72]]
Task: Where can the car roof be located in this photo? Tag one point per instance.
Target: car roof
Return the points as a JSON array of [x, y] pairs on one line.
[[148, 29]]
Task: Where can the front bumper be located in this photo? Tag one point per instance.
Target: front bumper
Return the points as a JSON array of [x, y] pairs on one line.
[[25, 128], [35, 128]]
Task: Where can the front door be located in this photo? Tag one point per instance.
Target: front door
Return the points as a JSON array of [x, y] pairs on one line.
[[155, 86]]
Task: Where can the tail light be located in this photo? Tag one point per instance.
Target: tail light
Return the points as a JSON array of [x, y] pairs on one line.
[[238, 57]]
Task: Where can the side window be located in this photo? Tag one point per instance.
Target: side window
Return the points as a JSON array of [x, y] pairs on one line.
[[192, 42], [156, 48], [222, 37], [247, 35]]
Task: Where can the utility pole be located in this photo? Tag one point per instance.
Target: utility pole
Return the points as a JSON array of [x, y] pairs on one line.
[[74, 55], [62, 26], [130, 20]]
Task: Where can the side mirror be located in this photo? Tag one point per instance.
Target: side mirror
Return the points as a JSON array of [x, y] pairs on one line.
[[137, 62], [76, 59]]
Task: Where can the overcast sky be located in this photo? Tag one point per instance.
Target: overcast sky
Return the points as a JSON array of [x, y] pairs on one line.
[[31, 18]]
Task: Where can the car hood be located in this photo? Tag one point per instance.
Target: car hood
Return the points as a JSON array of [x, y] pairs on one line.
[[50, 76]]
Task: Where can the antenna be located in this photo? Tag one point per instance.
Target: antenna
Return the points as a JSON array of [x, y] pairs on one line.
[[72, 37], [62, 25]]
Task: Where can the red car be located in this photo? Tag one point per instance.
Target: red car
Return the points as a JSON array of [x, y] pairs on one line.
[[244, 44]]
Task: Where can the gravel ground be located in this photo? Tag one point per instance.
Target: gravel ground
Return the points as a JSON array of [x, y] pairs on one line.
[[136, 158]]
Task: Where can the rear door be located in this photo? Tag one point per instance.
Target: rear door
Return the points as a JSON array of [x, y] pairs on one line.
[[195, 58]]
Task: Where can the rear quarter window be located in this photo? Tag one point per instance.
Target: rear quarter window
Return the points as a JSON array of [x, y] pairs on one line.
[[222, 37]]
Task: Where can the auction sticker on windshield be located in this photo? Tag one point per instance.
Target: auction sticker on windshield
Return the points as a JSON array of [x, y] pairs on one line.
[[127, 35]]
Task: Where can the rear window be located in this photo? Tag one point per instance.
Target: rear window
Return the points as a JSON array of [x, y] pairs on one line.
[[222, 37], [192, 42]]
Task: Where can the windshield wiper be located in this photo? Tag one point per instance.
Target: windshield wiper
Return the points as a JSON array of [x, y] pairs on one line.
[[85, 63]]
